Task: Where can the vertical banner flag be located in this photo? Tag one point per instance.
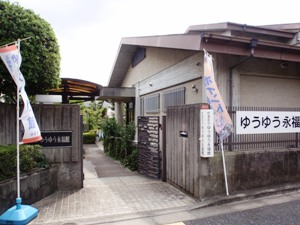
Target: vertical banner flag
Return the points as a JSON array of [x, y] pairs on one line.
[[222, 121], [11, 57]]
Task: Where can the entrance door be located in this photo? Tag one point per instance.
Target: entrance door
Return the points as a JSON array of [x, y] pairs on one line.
[[182, 148]]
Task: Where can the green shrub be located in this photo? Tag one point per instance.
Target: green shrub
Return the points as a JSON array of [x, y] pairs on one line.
[[89, 137], [117, 142], [131, 161], [111, 132], [31, 157], [8, 162]]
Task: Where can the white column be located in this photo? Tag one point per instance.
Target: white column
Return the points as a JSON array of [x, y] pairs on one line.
[[119, 112], [137, 108]]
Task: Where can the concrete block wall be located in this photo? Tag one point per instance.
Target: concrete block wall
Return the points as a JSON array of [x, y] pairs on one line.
[[33, 187], [247, 170]]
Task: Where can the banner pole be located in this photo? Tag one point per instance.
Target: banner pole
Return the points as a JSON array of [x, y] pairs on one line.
[[14, 42], [18, 142], [224, 168], [18, 214]]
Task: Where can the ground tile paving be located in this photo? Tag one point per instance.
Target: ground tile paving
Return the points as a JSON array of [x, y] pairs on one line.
[[106, 198], [112, 197]]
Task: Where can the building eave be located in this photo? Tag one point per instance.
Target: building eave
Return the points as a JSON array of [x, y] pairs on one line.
[[128, 47], [265, 30], [202, 37], [117, 94]]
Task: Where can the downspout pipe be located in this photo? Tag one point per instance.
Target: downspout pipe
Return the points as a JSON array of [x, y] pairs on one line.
[[253, 44]]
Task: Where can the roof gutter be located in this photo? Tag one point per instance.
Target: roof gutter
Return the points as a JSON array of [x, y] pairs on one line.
[[236, 46]]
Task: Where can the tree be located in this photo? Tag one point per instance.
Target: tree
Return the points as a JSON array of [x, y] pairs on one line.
[[93, 113], [40, 53]]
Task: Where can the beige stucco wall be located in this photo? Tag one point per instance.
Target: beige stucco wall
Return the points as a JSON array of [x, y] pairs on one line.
[[157, 59], [266, 83], [269, 91], [271, 67]]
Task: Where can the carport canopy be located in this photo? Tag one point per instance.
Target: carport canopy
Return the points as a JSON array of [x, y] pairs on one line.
[[76, 89]]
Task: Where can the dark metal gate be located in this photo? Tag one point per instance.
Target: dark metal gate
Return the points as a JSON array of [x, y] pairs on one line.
[[148, 146]]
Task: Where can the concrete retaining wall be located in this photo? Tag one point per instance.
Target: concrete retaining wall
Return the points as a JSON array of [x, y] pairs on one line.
[[249, 169], [34, 187]]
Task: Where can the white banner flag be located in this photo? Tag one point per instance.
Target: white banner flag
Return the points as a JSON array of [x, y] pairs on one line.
[[222, 121], [31, 128], [11, 57]]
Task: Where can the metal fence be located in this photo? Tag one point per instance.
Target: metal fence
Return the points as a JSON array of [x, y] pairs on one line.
[[258, 141]]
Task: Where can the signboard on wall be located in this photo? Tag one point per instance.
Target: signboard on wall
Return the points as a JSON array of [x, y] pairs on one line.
[[56, 139], [259, 122], [206, 133]]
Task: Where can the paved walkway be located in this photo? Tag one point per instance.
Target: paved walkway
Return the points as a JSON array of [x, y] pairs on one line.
[[111, 193], [98, 165]]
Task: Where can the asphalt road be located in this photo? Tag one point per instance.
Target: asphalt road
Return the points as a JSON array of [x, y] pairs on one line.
[[279, 214]]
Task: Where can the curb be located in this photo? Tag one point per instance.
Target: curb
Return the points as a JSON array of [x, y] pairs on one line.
[[249, 194]]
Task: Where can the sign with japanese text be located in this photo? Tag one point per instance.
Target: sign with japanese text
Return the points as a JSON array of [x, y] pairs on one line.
[[206, 133], [56, 139], [259, 122]]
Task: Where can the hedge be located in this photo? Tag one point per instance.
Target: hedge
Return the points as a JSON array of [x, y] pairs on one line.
[[89, 137], [31, 157]]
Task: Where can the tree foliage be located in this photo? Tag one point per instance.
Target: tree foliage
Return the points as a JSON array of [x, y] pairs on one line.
[[93, 113], [40, 53]]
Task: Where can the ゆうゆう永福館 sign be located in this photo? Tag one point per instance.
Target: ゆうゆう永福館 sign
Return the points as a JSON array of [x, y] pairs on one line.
[[259, 122], [56, 138]]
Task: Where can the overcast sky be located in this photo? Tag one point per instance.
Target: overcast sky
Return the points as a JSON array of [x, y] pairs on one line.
[[89, 31]]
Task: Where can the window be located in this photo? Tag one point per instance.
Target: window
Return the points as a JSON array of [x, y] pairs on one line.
[[151, 103], [173, 98], [138, 56]]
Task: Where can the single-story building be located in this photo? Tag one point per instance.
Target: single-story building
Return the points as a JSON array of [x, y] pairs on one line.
[[257, 68]]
